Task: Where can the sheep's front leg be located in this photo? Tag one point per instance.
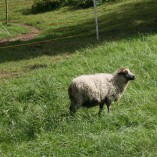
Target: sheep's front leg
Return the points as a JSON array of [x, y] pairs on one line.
[[108, 103], [101, 106]]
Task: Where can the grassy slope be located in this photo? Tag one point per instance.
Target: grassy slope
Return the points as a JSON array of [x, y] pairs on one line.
[[116, 21], [34, 108]]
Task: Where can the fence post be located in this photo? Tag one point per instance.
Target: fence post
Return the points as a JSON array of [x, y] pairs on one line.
[[96, 20], [6, 3]]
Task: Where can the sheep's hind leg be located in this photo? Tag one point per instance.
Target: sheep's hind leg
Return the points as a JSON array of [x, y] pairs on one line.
[[75, 104], [72, 109]]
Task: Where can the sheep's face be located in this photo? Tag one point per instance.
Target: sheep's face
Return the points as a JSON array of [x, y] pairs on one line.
[[126, 74]]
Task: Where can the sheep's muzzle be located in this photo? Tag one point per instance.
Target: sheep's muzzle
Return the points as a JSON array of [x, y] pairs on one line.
[[132, 77]]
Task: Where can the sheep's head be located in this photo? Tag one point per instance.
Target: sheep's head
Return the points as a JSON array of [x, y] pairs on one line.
[[124, 72]]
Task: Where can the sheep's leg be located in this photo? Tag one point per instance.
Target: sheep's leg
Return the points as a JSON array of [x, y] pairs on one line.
[[101, 106], [108, 108], [72, 108], [75, 104], [108, 103]]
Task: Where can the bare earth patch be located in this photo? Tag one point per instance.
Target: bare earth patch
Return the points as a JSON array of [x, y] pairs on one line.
[[23, 37], [7, 75]]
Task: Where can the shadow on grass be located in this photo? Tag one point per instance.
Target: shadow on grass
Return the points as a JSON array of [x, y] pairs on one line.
[[127, 21], [32, 12]]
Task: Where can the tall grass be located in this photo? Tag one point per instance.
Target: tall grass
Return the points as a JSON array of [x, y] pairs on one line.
[[34, 104], [34, 108]]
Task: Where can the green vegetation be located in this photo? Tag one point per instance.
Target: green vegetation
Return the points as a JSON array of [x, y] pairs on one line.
[[47, 5], [34, 80]]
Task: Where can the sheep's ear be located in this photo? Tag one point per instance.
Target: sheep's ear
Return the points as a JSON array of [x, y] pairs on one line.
[[122, 71]]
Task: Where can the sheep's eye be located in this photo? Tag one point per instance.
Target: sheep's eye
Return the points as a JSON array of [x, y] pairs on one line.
[[125, 72]]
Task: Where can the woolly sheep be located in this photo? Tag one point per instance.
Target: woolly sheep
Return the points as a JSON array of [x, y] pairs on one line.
[[98, 89]]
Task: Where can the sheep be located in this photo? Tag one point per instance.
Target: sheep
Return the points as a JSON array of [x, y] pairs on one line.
[[98, 89]]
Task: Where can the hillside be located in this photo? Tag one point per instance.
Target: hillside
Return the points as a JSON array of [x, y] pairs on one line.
[[34, 103]]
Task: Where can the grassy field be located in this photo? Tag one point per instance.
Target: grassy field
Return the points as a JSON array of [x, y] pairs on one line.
[[34, 104]]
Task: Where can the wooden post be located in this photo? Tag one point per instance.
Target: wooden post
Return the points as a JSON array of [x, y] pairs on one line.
[[6, 3]]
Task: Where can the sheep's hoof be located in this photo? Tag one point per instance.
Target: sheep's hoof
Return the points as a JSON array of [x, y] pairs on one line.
[[72, 114]]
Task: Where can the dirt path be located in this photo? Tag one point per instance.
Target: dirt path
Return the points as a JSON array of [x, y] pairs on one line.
[[23, 37]]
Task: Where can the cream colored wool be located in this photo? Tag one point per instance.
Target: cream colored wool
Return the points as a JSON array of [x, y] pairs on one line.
[[98, 89]]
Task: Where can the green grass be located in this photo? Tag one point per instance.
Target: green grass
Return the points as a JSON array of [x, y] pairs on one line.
[[34, 103], [126, 16], [34, 108]]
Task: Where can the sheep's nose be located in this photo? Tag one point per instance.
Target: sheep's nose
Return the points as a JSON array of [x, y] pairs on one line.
[[133, 77]]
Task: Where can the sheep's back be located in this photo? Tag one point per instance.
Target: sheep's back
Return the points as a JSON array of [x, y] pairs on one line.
[[93, 86]]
